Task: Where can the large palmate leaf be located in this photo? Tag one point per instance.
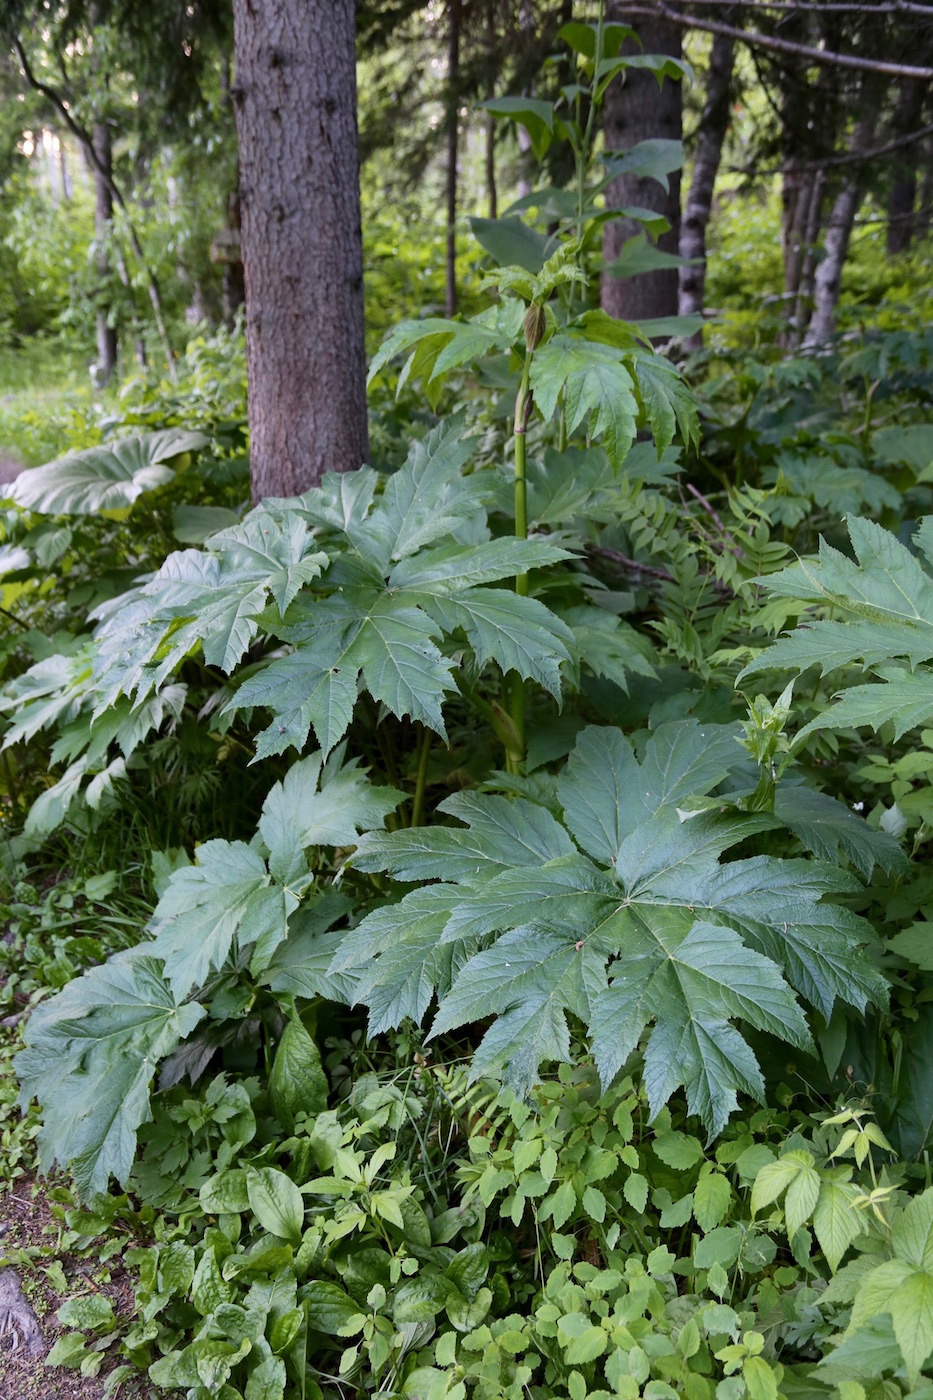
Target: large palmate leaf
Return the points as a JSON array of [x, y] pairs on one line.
[[91, 1052], [597, 386], [210, 598], [882, 619], [315, 805], [104, 478], [382, 613], [228, 894], [623, 916]]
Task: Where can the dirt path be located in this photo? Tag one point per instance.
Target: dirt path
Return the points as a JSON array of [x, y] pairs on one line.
[[26, 1223], [10, 469]]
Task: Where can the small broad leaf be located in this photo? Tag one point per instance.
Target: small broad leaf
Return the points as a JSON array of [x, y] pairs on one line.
[[297, 1082], [276, 1202], [836, 1221]]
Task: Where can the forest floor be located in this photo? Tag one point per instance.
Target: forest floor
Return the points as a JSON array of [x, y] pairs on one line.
[[28, 1228]]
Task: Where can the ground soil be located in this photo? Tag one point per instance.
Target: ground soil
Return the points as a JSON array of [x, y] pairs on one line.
[[25, 1220], [9, 471]]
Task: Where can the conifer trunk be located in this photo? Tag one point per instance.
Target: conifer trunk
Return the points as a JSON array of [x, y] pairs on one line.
[[902, 198], [295, 102], [453, 117], [635, 110]]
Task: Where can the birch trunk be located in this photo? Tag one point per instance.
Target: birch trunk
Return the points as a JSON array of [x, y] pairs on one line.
[[103, 226], [295, 99], [713, 126], [838, 233]]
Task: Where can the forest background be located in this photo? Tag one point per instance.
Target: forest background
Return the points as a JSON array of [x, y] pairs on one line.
[[466, 606]]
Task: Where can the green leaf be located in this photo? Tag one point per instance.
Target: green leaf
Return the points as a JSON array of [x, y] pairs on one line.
[[225, 1193], [299, 966], [210, 598], [205, 906], [297, 1082], [535, 115], [711, 1198], [882, 612], [511, 242], [329, 1308], [90, 1055], [659, 931], [635, 1191], [836, 1222], [91, 1313], [800, 1201], [104, 478], [315, 805], [912, 1232], [829, 829], [638, 256], [651, 160], [597, 386], [276, 1203]]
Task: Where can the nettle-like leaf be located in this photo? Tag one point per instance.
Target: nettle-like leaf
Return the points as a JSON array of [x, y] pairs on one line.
[[211, 598], [235, 897], [597, 386], [91, 1052], [882, 606], [107, 478], [622, 915], [412, 569]]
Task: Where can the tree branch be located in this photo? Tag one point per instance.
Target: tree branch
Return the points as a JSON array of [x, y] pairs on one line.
[[82, 134], [754, 39]]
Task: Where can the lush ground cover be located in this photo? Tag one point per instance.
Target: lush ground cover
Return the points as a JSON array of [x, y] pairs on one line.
[[466, 927]]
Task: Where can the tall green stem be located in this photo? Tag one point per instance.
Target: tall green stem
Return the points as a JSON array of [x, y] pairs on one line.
[[424, 749], [522, 414]]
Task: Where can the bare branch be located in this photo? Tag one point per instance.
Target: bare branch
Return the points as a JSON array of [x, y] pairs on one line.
[[847, 7], [754, 39]]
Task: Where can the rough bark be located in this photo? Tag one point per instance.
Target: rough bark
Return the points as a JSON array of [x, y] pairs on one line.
[[295, 98], [838, 233], [103, 221], [492, 39], [453, 122], [902, 197], [635, 110], [713, 126]]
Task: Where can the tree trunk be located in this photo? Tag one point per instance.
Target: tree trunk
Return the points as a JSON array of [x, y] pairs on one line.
[[103, 220], [838, 232], [67, 187], [804, 302], [636, 111], [925, 210], [302, 240], [492, 38], [453, 119], [713, 126], [902, 198]]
